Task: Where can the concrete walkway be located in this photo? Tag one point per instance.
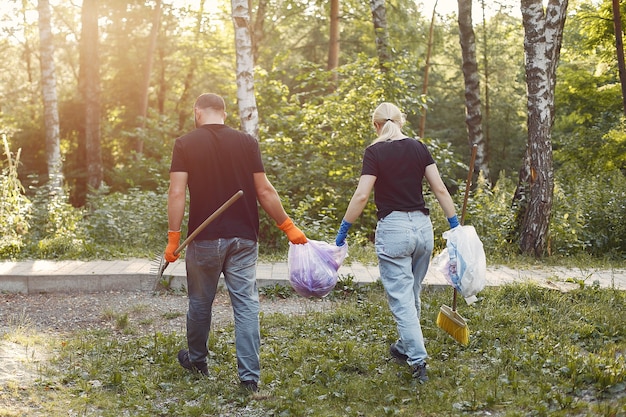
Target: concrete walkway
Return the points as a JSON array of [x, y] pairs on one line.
[[41, 276]]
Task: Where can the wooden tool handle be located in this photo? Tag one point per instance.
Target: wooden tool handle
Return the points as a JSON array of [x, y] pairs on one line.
[[209, 219], [468, 185]]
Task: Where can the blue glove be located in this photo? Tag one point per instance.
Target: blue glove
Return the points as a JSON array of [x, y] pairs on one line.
[[453, 222], [340, 240]]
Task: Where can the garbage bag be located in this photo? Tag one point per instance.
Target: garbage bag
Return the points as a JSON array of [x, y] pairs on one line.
[[463, 262], [313, 267]]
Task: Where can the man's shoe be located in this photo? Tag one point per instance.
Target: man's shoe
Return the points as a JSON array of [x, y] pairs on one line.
[[419, 372], [249, 386], [395, 353], [200, 367]]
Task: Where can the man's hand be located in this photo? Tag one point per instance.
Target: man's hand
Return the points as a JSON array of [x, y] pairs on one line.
[[173, 242], [294, 234]]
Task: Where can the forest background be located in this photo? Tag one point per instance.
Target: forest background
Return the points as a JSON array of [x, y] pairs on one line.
[[153, 58]]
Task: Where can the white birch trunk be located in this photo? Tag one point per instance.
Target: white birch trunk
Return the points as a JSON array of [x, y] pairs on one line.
[[248, 112], [379, 17], [50, 103], [543, 32]]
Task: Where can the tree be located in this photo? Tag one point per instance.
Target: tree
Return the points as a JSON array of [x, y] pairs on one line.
[[619, 49], [147, 71], [89, 86], [431, 31], [248, 113], [333, 49], [379, 16], [473, 115], [50, 103], [543, 34]]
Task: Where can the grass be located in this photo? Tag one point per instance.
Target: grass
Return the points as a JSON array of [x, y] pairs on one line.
[[532, 352]]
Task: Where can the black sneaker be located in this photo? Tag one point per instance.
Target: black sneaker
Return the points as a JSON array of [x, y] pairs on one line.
[[419, 372], [200, 367], [395, 353], [249, 386]]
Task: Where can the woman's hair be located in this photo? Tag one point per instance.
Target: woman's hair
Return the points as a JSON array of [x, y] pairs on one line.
[[391, 119]]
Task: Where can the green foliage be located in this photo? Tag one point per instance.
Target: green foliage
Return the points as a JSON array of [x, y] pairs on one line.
[[532, 351], [15, 207], [592, 207], [56, 228], [133, 223]]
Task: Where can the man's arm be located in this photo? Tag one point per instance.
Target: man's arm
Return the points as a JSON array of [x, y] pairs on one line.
[[268, 198], [270, 202], [176, 200]]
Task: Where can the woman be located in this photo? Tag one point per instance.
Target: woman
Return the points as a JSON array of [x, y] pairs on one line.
[[394, 165]]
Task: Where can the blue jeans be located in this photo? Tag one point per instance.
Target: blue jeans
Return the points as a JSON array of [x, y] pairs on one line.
[[404, 244], [236, 258]]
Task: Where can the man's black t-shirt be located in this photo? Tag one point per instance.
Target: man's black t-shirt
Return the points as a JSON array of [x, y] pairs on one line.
[[219, 162], [398, 166]]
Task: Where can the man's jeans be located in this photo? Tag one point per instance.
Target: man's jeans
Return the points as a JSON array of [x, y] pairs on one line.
[[205, 261], [404, 244]]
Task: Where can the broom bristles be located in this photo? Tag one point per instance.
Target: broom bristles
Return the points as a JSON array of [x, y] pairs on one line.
[[452, 323]]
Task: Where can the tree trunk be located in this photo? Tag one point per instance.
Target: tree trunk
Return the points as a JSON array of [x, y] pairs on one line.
[[379, 16], [619, 47], [248, 112], [431, 31], [333, 43], [543, 33], [50, 103], [473, 115], [487, 74], [147, 71], [89, 86], [258, 31], [183, 107]]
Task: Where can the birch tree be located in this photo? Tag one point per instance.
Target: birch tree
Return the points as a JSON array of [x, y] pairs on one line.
[[473, 114], [379, 16], [89, 86], [248, 113], [543, 34], [50, 102]]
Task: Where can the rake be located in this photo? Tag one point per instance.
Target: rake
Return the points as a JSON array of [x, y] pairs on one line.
[[162, 263], [448, 319]]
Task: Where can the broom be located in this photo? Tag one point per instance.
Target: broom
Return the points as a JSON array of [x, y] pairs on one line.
[[162, 263], [448, 319]]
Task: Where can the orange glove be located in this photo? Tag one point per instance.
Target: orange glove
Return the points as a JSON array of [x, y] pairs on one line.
[[294, 234], [173, 242]]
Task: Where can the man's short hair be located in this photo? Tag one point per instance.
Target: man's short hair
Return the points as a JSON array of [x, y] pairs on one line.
[[210, 100]]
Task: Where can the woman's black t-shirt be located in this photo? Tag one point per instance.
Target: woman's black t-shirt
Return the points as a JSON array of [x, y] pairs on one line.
[[399, 167]]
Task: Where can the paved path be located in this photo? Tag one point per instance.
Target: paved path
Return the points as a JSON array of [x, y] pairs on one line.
[[41, 276]]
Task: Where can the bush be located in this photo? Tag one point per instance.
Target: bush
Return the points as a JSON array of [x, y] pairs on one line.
[[130, 224], [15, 207]]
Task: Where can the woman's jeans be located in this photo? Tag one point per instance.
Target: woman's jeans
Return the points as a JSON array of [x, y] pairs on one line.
[[205, 261], [404, 244]]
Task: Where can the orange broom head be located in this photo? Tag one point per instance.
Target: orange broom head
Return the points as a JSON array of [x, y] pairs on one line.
[[453, 324]]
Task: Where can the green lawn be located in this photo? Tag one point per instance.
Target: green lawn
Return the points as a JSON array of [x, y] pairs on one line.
[[532, 352]]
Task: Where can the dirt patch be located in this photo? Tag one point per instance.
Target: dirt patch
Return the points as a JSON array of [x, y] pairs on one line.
[[142, 312]]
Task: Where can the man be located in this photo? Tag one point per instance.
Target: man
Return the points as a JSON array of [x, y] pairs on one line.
[[215, 161]]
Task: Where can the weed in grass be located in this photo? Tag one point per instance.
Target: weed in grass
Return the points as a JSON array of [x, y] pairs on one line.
[[276, 291]]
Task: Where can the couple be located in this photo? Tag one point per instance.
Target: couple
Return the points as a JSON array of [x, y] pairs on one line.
[[214, 161]]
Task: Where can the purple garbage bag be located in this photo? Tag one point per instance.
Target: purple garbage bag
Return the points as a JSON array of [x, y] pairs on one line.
[[313, 267]]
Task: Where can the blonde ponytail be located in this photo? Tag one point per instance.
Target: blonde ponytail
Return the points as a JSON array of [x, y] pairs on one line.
[[391, 119]]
